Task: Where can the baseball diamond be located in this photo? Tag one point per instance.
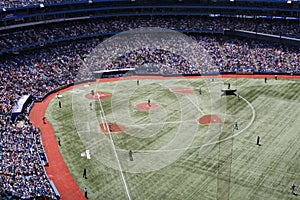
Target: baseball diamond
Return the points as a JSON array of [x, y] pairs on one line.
[[158, 151]]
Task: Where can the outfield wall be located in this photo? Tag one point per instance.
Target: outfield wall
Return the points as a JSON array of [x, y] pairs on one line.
[[118, 74], [122, 73], [62, 87]]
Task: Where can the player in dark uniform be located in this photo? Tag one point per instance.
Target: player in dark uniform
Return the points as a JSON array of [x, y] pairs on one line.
[[86, 193], [44, 120], [257, 141], [84, 173], [110, 127], [130, 155], [293, 188], [236, 127], [149, 102]]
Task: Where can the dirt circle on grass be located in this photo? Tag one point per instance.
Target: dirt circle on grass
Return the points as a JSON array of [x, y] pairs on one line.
[[146, 107], [98, 95], [113, 128], [210, 119], [182, 90]]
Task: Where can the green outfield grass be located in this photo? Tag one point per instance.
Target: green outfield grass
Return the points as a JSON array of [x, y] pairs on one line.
[[175, 157]]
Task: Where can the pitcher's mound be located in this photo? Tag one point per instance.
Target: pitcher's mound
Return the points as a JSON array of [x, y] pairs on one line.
[[146, 107], [210, 119], [98, 95], [182, 90], [113, 128]]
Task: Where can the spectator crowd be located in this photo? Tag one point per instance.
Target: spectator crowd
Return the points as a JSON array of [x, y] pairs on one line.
[[25, 3], [40, 70], [42, 34], [22, 174]]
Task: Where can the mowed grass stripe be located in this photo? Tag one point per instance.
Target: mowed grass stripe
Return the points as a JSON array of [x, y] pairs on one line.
[[280, 116]]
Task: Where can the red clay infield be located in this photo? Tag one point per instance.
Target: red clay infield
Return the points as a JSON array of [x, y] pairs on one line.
[[210, 119], [182, 90], [97, 95], [114, 128], [146, 107]]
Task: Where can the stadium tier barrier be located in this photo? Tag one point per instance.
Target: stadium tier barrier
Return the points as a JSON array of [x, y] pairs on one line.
[[54, 189], [265, 37], [129, 9]]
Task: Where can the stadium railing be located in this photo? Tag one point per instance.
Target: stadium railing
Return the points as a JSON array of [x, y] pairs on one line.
[[54, 189]]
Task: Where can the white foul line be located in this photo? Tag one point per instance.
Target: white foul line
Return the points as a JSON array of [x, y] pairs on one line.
[[114, 148]]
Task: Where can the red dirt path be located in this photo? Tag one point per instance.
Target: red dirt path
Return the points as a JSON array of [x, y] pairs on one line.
[[210, 119], [146, 107], [97, 95], [57, 170], [114, 128], [182, 90]]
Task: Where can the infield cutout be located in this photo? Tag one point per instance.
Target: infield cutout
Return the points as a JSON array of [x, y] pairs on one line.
[[146, 107], [210, 119], [128, 107], [98, 95], [182, 90], [113, 128]]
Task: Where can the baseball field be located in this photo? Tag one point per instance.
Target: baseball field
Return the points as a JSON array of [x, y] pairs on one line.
[[179, 138]]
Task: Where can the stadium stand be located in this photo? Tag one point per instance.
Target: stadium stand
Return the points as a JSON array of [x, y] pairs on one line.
[[57, 52], [40, 35], [22, 172]]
